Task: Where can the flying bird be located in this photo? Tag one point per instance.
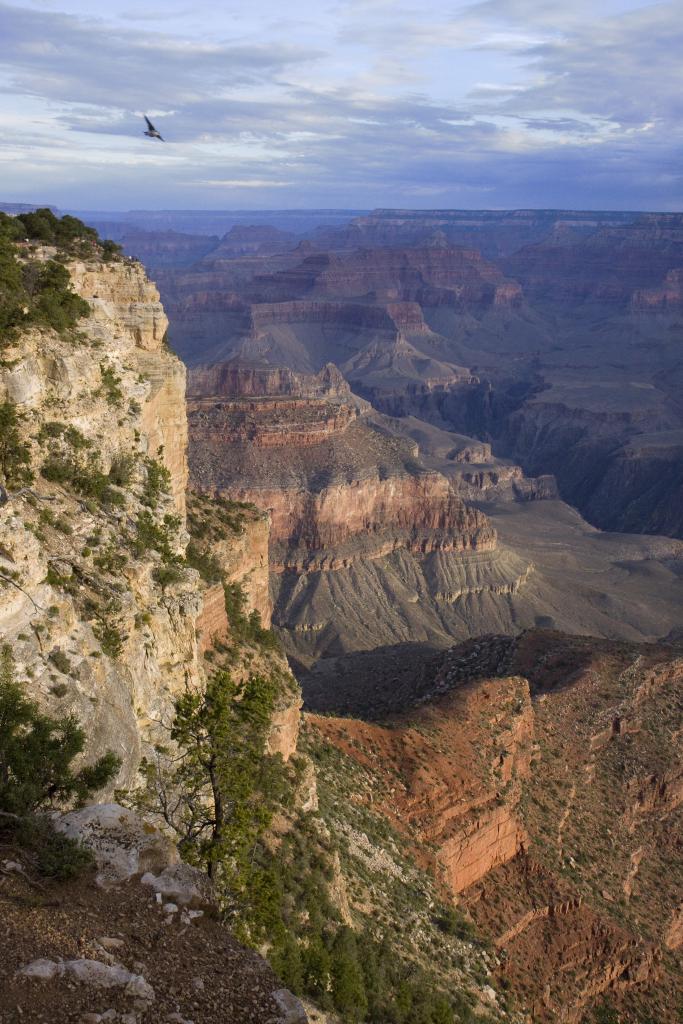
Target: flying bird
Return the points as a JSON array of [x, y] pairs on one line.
[[151, 130]]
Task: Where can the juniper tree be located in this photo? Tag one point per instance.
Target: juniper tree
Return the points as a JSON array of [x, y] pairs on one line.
[[217, 791]]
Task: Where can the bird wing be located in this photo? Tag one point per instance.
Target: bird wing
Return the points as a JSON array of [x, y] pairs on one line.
[[160, 138], [149, 123]]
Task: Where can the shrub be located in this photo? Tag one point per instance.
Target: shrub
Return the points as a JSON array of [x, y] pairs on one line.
[[204, 562], [15, 454], [111, 638], [110, 386], [72, 462], [53, 303], [151, 535], [110, 559], [121, 470], [245, 627], [453, 922], [37, 751], [167, 575], [43, 226], [157, 483], [110, 250], [35, 292], [60, 661], [55, 855]]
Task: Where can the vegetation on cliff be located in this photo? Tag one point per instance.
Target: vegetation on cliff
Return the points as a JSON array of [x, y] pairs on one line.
[[37, 773], [38, 292]]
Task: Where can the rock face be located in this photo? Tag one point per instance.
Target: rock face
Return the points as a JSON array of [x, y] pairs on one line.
[[498, 772], [123, 844], [345, 496], [454, 789], [613, 264], [118, 371], [95, 627]]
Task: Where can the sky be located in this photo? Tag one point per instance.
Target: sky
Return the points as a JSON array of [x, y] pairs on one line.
[[350, 104]]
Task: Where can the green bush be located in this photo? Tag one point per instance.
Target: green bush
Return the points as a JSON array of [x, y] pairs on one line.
[[36, 755], [72, 462], [206, 564], [53, 303], [111, 385], [43, 226], [110, 250], [151, 535], [111, 638], [121, 469], [167, 575], [157, 483], [15, 454], [55, 855], [245, 628], [60, 661], [37, 751], [39, 292]]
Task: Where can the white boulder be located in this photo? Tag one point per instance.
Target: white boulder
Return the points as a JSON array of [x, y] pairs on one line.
[[90, 972], [122, 842]]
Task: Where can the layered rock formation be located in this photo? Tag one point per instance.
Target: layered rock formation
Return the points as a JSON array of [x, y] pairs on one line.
[[352, 511], [494, 233], [499, 777], [97, 623], [105, 642], [613, 264], [455, 791], [362, 504]]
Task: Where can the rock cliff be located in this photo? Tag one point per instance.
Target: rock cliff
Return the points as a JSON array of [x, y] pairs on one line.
[[89, 625], [100, 623], [346, 498], [499, 771]]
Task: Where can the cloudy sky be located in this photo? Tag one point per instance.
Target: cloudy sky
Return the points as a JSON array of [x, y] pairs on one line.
[[342, 103]]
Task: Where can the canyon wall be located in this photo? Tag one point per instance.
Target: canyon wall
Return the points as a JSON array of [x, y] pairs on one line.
[[87, 621], [357, 524], [539, 779], [98, 625]]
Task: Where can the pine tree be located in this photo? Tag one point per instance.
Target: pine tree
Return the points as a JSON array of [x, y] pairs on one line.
[[348, 983]]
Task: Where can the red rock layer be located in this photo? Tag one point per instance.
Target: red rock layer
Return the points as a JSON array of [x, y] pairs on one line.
[[367, 518], [452, 774]]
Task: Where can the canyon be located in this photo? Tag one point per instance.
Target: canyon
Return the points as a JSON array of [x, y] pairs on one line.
[[384, 530], [488, 766], [552, 335], [539, 779]]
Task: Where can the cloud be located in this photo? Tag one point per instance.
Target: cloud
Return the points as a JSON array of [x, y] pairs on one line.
[[65, 58], [502, 102]]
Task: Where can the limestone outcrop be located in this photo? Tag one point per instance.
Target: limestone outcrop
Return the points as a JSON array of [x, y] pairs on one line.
[[100, 622], [88, 623]]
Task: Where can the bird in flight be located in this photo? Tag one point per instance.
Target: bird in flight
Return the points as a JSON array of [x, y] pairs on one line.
[[151, 130]]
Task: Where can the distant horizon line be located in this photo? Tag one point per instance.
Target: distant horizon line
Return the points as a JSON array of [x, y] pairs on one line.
[[354, 211]]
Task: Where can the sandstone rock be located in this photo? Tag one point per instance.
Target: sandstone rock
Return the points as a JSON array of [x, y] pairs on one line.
[[180, 883], [291, 1008], [123, 844]]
